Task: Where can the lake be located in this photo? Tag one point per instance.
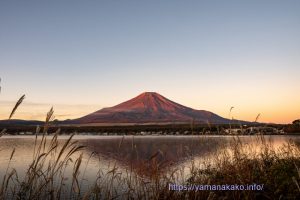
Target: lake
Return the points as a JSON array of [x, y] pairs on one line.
[[138, 155]]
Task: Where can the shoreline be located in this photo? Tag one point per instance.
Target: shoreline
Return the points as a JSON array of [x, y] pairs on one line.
[[144, 136]]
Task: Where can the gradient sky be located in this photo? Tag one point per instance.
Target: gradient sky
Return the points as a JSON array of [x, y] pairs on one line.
[[80, 56]]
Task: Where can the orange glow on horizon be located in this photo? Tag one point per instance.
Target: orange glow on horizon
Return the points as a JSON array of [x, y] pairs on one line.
[[281, 115]]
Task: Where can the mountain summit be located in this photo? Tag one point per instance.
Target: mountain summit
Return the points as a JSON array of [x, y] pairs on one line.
[[150, 107]]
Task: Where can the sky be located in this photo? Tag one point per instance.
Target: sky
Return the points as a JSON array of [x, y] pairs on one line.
[[81, 56]]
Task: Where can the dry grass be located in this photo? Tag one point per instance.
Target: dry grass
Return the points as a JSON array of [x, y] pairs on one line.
[[16, 106]]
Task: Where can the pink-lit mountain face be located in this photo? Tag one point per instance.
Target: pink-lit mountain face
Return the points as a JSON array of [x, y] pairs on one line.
[[150, 107]]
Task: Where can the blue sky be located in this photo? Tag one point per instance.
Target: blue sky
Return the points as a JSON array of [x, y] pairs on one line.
[[204, 54]]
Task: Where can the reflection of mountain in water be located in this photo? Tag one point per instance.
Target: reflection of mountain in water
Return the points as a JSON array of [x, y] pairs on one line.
[[146, 154]]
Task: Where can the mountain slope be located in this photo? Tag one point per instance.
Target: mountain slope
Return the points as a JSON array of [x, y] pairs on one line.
[[150, 107]]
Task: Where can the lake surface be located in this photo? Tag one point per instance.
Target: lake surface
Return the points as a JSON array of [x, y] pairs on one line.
[[140, 155]]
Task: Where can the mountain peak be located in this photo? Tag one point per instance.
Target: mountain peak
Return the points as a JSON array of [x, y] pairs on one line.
[[148, 94], [147, 101]]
